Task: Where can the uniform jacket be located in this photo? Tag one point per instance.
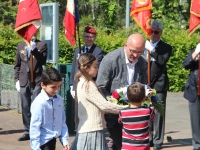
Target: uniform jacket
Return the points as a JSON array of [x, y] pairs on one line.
[[22, 63], [159, 78], [113, 75], [190, 92], [97, 52]]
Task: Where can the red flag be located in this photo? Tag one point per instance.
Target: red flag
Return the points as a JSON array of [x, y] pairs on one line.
[[70, 20], [28, 19], [141, 13], [194, 16]]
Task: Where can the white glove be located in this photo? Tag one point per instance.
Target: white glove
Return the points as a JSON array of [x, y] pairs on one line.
[[72, 92], [197, 50], [17, 86], [149, 46], [33, 45]]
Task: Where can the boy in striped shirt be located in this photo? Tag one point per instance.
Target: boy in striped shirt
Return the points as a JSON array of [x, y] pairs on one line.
[[135, 120]]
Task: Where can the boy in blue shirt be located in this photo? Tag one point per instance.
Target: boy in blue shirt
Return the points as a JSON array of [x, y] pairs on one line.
[[47, 114]]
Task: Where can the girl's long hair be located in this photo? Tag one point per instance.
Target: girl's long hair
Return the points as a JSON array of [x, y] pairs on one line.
[[85, 61]]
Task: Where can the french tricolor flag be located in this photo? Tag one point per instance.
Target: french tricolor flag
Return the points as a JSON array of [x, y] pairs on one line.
[[70, 20]]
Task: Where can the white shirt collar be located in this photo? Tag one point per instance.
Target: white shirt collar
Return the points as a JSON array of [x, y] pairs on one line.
[[154, 44], [88, 47]]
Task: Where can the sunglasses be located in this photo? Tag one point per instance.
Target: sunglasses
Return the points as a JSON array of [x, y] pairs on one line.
[[155, 31]]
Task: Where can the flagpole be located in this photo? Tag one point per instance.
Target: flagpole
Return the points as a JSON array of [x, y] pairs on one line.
[[31, 72], [198, 93], [127, 13], [149, 65], [79, 41], [149, 68]]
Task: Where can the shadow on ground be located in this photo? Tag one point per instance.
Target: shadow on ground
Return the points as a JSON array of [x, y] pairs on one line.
[[3, 109], [171, 132], [178, 143], [11, 131]]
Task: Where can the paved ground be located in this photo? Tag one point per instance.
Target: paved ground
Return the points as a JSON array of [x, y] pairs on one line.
[[177, 131]]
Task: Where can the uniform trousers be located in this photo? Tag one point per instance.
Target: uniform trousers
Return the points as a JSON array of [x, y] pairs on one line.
[[27, 96], [194, 110], [116, 135], [157, 127]]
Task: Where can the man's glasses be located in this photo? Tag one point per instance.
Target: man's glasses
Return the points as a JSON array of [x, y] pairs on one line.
[[135, 52], [154, 31], [89, 37]]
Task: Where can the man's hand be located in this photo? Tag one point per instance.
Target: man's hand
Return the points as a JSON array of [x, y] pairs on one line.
[[72, 92], [17, 86], [149, 46], [33, 45], [197, 50]]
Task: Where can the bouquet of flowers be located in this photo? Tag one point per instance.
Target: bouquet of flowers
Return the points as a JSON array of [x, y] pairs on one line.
[[152, 97], [119, 96]]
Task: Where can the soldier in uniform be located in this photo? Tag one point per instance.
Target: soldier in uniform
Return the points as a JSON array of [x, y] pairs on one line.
[[38, 51], [89, 37]]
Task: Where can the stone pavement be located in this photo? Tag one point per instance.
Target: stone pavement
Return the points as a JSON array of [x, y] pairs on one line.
[[177, 130]]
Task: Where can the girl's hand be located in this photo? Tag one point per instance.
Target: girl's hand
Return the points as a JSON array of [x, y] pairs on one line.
[[66, 147]]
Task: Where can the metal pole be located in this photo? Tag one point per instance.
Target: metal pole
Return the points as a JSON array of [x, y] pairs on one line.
[[127, 13]]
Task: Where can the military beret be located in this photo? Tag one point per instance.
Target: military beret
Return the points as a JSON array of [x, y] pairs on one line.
[[89, 29]]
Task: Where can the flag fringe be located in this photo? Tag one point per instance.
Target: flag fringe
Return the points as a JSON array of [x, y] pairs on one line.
[[140, 26], [192, 12], [193, 30], [197, 15], [140, 9], [25, 25]]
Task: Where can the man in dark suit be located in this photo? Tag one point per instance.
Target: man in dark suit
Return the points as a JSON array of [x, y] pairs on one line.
[[160, 53], [38, 50], [119, 68], [89, 37], [190, 93]]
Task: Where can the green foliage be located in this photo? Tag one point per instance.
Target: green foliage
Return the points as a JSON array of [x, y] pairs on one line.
[[177, 38], [173, 11], [8, 43], [85, 20], [181, 44], [66, 52], [8, 13], [108, 18]]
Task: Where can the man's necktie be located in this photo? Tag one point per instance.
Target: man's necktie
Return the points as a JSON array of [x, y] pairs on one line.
[[87, 50], [29, 52]]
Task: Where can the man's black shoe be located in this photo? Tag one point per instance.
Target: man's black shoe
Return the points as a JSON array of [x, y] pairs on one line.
[[157, 148], [25, 137], [151, 144]]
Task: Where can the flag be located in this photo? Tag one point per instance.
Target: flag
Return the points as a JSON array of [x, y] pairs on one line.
[[70, 20], [194, 16], [28, 19], [141, 13]]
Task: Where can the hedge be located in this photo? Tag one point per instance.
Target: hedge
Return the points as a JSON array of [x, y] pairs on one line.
[[177, 38]]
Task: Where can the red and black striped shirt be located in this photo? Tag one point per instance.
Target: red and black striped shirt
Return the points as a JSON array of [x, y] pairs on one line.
[[135, 132]]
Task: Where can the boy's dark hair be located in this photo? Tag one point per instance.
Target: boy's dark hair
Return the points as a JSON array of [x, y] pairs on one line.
[[136, 92], [50, 75]]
